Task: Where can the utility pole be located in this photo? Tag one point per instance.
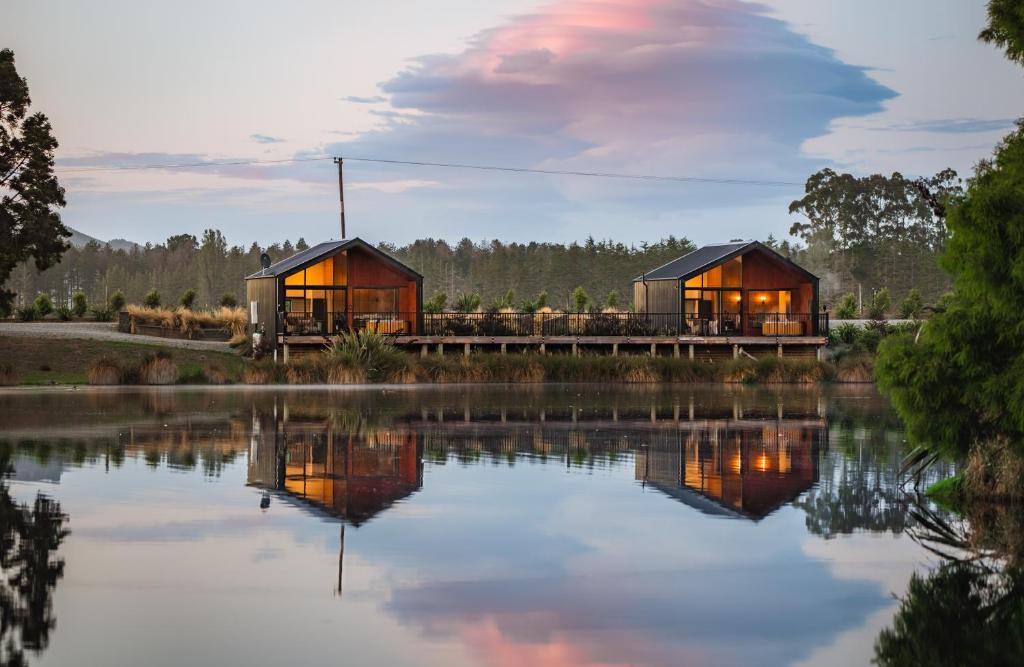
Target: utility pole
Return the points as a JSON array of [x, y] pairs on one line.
[[341, 194]]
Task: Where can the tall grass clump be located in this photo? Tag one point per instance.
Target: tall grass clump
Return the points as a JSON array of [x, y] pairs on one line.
[[8, 376], [158, 368], [105, 371], [264, 371], [369, 352]]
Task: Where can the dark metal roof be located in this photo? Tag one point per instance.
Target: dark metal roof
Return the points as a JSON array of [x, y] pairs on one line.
[[704, 258], [697, 261], [314, 254]]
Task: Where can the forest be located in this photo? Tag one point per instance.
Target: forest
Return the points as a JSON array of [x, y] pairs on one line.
[[859, 234]]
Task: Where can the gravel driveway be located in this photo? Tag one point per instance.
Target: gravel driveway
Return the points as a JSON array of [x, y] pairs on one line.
[[101, 331]]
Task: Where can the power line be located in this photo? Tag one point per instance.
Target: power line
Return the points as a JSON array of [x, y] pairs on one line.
[[444, 165], [596, 174]]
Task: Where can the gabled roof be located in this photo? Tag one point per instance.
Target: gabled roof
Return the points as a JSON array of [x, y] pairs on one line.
[[312, 255], [706, 257]]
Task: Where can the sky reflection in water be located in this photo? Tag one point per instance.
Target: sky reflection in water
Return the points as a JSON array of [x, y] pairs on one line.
[[466, 526]]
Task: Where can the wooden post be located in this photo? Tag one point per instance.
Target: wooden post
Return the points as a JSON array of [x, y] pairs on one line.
[[424, 350], [735, 351], [286, 346], [780, 349], [465, 349], [543, 350], [691, 351], [817, 353], [504, 348], [675, 350], [440, 349], [575, 350], [654, 349], [615, 349]]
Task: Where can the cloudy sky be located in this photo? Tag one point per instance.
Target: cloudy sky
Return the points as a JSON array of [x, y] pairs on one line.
[[716, 89]]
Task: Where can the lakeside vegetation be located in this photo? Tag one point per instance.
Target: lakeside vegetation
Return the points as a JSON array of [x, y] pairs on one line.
[[959, 383]]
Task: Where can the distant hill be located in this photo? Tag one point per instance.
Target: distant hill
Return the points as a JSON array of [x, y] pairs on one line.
[[79, 240]]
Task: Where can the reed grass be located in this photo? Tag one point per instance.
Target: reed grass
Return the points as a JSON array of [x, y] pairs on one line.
[[232, 321], [8, 376], [158, 369], [105, 371]]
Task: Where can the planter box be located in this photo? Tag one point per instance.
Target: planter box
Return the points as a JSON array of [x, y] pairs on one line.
[[199, 334]]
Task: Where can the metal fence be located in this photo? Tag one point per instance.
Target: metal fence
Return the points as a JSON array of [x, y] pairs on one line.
[[513, 323]]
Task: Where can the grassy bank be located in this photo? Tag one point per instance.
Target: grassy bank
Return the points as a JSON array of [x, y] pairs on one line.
[[40, 361], [533, 368]]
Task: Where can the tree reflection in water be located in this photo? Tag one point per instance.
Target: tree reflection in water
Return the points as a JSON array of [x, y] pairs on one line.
[[970, 609], [29, 570]]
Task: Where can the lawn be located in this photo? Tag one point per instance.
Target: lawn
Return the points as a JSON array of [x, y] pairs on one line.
[[66, 361]]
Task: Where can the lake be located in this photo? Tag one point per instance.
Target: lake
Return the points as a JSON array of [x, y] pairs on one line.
[[453, 525]]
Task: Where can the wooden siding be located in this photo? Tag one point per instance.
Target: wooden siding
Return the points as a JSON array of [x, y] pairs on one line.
[[264, 292]]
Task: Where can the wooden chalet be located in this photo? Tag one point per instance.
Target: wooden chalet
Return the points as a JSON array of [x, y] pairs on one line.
[[333, 287], [732, 289]]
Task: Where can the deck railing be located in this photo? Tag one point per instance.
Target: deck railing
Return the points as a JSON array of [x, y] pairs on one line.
[[517, 323]]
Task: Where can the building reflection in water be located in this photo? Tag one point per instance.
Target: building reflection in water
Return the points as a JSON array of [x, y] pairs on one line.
[[350, 473], [740, 468], [720, 459]]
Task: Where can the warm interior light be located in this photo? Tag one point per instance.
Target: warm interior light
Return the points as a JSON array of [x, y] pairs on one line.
[[763, 298], [737, 298]]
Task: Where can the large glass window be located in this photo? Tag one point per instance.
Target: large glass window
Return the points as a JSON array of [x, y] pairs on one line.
[[375, 300], [729, 274]]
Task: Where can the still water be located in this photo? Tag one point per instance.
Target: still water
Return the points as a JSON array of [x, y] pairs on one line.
[[558, 525]]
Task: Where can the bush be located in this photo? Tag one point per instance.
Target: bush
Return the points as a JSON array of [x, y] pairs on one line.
[[44, 305], [8, 376], [580, 299], [26, 314], [912, 305], [187, 299], [158, 369], [613, 299], [844, 334], [880, 304], [467, 303], [105, 371], [436, 303], [79, 304], [215, 374], [64, 313], [847, 308], [369, 352], [117, 301], [152, 299], [101, 314], [228, 300]]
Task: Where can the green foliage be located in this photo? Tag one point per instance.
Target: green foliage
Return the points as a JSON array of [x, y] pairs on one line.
[[580, 299], [875, 230], [228, 300], [79, 304], [847, 308], [542, 299], [912, 305], [152, 299], [117, 301], [960, 614], [963, 381], [467, 302], [187, 299], [44, 304], [1005, 28], [370, 352], [101, 314], [64, 313], [612, 301], [436, 303], [27, 314], [880, 304], [29, 218]]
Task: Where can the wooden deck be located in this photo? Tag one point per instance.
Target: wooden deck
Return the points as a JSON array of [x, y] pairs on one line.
[[581, 340]]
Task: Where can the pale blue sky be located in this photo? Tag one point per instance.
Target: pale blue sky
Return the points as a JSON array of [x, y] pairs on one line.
[[711, 88]]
